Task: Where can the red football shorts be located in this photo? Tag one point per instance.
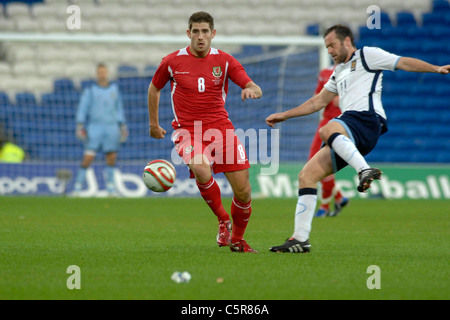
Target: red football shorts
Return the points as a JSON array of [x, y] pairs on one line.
[[317, 141], [217, 142]]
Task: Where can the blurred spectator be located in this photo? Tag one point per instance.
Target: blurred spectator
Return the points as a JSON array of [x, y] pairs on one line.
[[10, 152]]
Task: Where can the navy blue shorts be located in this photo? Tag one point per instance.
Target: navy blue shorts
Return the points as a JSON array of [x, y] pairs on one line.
[[363, 128]]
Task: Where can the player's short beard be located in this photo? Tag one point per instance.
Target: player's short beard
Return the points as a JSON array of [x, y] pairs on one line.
[[342, 55]]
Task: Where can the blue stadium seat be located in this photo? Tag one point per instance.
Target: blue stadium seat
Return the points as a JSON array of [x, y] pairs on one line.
[[422, 157], [63, 85], [399, 117], [388, 44], [405, 19], [406, 48], [406, 77], [439, 32], [443, 157], [421, 131], [366, 34], [4, 98], [417, 34], [426, 143], [59, 99], [433, 78], [127, 71], [133, 85], [441, 6], [313, 29], [425, 116], [150, 70], [25, 99], [422, 90], [409, 103], [431, 46], [397, 156], [86, 83], [385, 20], [390, 101], [399, 88], [433, 19], [252, 50], [440, 131], [441, 89]]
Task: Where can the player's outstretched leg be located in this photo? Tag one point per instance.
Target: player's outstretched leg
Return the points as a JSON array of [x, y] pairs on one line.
[[224, 234], [293, 246], [366, 177]]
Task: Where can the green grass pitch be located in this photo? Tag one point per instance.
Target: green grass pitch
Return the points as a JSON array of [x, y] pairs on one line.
[[128, 249]]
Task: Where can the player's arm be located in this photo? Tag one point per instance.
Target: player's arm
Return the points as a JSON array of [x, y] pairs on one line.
[[312, 105], [121, 119], [416, 65], [153, 111], [81, 115], [251, 91]]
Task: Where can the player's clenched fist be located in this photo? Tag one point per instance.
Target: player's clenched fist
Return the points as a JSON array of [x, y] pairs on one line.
[[157, 132]]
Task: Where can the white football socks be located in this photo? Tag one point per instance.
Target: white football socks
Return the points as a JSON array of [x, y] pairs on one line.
[[304, 213], [347, 150]]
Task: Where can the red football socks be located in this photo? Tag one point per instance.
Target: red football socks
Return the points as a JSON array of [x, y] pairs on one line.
[[240, 212], [210, 192], [327, 191]]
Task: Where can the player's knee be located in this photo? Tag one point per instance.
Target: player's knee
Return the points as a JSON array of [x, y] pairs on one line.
[[243, 193], [202, 172], [301, 177], [324, 133], [305, 179]]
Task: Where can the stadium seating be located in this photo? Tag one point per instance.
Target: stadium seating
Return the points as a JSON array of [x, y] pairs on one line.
[[44, 81]]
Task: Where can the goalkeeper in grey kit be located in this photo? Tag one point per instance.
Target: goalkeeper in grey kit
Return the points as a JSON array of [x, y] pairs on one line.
[[101, 125], [347, 138]]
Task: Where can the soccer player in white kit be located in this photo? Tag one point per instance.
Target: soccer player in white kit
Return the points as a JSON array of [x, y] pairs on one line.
[[357, 80]]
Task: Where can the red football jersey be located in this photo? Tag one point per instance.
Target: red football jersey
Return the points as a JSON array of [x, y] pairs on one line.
[[199, 86], [330, 111]]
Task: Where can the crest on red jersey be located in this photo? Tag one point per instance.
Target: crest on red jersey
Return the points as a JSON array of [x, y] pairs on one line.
[[217, 72]]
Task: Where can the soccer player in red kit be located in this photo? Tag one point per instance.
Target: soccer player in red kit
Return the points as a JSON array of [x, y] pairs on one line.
[[203, 135], [329, 188]]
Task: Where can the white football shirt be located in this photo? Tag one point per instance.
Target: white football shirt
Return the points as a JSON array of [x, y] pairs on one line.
[[358, 82]]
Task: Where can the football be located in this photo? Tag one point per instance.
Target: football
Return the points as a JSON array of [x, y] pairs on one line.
[[159, 175]]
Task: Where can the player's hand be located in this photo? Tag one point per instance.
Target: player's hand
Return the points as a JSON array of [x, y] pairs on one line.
[[157, 132], [253, 91], [444, 69], [80, 132], [123, 133], [275, 118]]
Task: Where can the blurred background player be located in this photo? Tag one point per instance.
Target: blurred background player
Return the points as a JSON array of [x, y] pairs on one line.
[[329, 188], [101, 125], [199, 80]]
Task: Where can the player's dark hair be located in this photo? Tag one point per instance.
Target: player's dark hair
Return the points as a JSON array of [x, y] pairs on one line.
[[201, 16], [342, 32], [101, 65]]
